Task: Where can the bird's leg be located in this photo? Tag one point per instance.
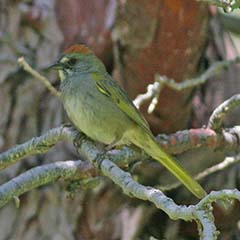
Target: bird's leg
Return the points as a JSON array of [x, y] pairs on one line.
[[78, 139], [112, 145], [107, 148]]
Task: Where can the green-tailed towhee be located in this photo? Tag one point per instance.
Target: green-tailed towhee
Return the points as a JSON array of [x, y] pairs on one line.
[[101, 109]]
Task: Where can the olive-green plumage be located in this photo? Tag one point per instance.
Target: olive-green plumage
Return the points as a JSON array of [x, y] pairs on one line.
[[100, 108]]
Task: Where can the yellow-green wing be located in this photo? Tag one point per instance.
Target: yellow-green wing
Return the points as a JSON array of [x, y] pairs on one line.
[[107, 86]]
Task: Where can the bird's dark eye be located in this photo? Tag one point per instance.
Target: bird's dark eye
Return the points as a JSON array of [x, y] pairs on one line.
[[72, 61]]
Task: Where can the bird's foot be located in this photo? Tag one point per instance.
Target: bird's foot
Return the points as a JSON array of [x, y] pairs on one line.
[[111, 145], [78, 140]]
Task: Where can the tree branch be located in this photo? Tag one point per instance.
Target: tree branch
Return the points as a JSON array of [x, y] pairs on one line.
[[174, 144], [219, 114], [213, 70], [36, 145], [71, 169], [185, 140], [201, 212], [42, 175], [154, 90]]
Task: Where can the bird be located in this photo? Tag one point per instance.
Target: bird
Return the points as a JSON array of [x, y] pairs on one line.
[[100, 108]]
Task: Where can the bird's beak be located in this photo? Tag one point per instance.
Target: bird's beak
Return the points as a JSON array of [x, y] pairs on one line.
[[57, 66]]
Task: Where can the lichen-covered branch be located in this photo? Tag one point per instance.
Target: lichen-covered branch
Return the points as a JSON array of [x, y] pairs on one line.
[[207, 229], [214, 196], [42, 175], [36, 145], [219, 114], [176, 143], [202, 212], [185, 140]]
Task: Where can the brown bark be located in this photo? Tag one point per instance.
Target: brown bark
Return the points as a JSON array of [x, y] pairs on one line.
[[166, 37]]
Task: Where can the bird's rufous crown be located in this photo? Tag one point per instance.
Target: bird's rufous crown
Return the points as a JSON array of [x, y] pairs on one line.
[[78, 48]]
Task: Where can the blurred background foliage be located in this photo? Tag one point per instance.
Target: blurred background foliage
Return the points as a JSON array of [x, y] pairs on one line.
[[135, 39]]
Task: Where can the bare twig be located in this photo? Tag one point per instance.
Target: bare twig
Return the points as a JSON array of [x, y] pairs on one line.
[[219, 114], [215, 69], [22, 62], [154, 90], [227, 162], [201, 212]]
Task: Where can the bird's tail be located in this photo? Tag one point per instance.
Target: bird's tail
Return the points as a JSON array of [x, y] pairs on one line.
[[152, 148]]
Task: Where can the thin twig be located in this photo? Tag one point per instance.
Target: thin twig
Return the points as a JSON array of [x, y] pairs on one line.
[[22, 62], [201, 212], [213, 70], [154, 90], [134, 189], [227, 162]]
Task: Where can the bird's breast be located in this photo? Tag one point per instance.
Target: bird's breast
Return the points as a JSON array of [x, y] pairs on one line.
[[94, 113]]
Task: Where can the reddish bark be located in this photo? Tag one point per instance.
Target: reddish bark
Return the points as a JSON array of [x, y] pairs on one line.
[[176, 33]]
